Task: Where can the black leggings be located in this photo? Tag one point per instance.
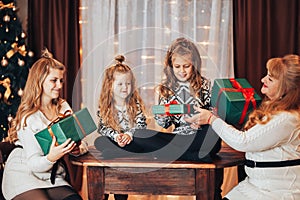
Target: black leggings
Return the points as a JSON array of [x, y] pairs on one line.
[[55, 193], [201, 146]]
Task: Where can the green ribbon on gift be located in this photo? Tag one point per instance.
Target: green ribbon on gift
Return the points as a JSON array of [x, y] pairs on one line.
[[248, 94]]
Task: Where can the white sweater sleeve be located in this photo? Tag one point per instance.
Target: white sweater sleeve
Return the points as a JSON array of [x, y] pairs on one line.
[[37, 162], [278, 130]]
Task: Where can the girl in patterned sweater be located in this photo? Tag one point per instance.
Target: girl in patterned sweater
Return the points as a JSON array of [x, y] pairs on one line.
[[120, 113], [120, 106], [183, 84]]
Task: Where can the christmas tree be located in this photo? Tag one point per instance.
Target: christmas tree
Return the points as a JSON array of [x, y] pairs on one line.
[[15, 62]]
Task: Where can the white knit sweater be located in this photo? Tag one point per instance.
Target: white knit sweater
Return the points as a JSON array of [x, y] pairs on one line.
[[28, 168], [278, 140]]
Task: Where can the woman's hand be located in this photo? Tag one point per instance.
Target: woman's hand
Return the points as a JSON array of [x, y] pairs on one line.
[[123, 139], [56, 152], [202, 117]]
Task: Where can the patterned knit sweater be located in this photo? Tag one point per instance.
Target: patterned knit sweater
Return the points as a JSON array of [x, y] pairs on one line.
[[124, 123], [183, 96]]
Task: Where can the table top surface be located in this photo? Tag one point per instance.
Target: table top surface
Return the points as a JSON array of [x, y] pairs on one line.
[[227, 157]]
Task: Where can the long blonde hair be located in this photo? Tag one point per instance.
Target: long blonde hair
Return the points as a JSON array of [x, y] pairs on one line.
[[107, 110], [181, 46], [287, 71], [31, 99]]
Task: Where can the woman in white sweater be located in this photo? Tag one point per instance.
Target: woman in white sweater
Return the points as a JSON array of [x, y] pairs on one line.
[[271, 137], [28, 173]]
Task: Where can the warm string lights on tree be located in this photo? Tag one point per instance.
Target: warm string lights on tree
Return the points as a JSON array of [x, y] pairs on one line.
[[15, 61]]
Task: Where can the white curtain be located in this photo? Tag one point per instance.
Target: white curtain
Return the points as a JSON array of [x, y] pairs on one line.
[[142, 30]]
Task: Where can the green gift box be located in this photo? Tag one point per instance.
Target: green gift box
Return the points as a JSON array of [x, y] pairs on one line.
[[173, 109], [75, 126], [234, 99]]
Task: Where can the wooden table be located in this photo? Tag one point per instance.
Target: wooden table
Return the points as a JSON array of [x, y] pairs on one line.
[[144, 176]]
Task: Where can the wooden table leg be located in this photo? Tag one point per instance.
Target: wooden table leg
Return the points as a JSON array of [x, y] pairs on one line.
[[205, 184], [96, 182], [202, 184]]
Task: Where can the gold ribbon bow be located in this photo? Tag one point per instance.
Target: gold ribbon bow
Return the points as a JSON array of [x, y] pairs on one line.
[[60, 117], [15, 49], [6, 84], [3, 6]]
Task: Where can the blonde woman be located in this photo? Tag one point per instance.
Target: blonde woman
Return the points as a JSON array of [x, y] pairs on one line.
[[27, 173]]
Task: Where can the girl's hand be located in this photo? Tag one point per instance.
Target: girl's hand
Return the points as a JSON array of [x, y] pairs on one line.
[[123, 139], [193, 121], [119, 138], [56, 152]]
